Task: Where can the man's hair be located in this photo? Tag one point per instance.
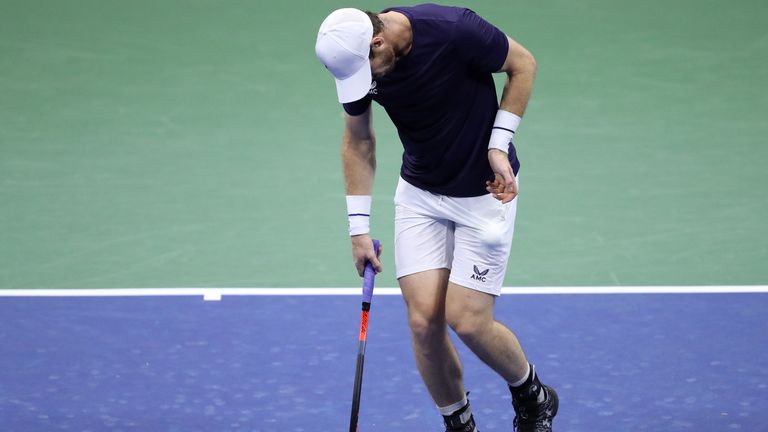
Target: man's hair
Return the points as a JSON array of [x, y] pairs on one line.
[[378, 26]]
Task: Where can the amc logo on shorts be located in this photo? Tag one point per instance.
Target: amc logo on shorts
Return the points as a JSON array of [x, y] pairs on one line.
[[479, 275]]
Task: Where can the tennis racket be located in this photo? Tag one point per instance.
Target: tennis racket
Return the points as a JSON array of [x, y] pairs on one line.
[[368, 279]]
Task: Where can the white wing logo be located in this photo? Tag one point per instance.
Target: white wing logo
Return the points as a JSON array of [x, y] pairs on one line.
[[373, 89]]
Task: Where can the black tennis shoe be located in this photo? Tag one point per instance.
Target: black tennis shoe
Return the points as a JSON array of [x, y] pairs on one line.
[[534, 416]]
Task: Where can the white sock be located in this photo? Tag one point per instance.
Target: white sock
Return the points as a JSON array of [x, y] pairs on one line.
[[524, 378], [452, 408]]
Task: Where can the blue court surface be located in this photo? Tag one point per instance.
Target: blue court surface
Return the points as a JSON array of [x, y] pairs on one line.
[[621, 362]]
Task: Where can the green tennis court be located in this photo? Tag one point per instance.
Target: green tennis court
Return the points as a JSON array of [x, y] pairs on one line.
[[149, 144]]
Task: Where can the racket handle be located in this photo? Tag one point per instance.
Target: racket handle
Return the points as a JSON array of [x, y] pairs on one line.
[[368, 276]]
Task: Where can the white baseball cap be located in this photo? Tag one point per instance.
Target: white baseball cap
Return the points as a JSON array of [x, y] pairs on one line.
[[343, 45]]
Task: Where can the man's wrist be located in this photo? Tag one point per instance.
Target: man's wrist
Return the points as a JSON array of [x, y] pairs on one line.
[[359, 214], [504, 127]]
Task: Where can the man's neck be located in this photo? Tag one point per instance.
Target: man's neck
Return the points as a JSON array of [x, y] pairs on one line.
[[397, 29]]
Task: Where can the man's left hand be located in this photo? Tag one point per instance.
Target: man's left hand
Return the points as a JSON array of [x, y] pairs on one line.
[[504, 185]]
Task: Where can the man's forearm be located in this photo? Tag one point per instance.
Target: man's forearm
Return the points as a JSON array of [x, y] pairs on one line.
[[359, 162], [517, 91]]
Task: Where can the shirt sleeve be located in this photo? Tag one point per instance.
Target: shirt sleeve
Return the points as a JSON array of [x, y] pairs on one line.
[[358, 107], [480, 44]]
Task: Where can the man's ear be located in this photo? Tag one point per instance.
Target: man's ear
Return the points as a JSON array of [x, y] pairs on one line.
[[377, 41]]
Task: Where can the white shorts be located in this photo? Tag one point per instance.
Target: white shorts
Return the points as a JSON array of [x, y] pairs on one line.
[[470, 236]]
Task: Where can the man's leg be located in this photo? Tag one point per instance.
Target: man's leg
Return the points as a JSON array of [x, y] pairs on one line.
[[436, 357], [423, 254], [470, 315], [483, 237]]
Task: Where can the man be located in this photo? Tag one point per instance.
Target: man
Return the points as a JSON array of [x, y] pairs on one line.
[[431, 68]]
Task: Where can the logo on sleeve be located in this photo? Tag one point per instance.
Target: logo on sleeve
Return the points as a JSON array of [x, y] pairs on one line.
[[373, 89], [479, 275]]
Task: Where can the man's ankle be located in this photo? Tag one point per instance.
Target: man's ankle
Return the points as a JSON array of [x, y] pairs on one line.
[[530, 390], [458, 417]]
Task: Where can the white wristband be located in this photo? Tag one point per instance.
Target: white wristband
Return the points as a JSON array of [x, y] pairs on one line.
[[504, 128], [359, 213]]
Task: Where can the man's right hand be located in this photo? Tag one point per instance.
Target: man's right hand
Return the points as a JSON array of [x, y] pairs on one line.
[[362, 252]]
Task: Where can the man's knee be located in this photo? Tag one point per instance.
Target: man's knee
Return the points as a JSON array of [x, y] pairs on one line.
[[426, 325], [469, 326], [424, 295]]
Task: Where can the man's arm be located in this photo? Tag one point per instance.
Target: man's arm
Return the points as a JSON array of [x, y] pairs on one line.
[[520, 67], [358, 157], [358, 153]]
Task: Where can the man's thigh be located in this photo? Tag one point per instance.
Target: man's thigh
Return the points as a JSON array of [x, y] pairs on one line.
[[425, 295], [482, 242], [423, 240]]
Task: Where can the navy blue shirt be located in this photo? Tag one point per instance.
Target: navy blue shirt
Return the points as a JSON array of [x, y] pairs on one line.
[[442, 99]]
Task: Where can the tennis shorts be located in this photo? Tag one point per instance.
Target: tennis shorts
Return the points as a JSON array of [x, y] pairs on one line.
[[470, 236]]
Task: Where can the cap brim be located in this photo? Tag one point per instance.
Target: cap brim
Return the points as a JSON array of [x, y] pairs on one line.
[[356, 86]]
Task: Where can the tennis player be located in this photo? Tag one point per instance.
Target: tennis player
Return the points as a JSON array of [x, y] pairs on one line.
[[431, 68]]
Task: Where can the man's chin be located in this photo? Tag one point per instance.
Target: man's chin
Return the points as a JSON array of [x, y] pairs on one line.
[[382, 74]]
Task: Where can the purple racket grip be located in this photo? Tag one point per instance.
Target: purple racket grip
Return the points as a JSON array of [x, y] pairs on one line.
[[368, 276]]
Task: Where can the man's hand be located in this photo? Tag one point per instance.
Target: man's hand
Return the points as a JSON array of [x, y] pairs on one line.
[[504, 186], [362, 251]]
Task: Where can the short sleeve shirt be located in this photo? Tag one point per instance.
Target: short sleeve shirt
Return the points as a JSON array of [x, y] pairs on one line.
[[442, 99]]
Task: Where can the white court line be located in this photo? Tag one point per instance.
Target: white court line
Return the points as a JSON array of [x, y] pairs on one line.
[[216, 293]]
